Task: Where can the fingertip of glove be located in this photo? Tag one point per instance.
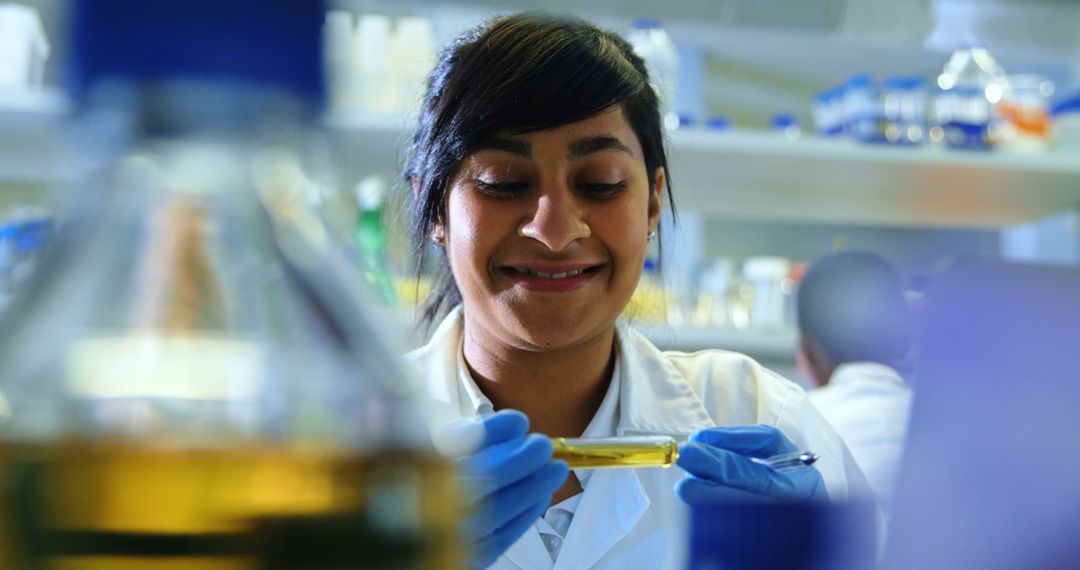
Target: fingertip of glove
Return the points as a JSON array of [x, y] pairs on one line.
[[538, 444], [504, 425]]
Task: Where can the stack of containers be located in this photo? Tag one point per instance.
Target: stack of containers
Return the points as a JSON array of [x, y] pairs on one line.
[[375, 64]]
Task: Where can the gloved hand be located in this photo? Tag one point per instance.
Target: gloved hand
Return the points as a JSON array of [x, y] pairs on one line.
[[718, 466], [509, 483]]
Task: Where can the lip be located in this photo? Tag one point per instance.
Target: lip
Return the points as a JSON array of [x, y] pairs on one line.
[[515, 272]]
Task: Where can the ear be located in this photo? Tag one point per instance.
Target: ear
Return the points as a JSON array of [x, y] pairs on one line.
[[438, 233], [656, 198], [820, 366]]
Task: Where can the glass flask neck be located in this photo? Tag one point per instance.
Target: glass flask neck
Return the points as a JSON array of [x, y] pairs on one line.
[[191, 107]]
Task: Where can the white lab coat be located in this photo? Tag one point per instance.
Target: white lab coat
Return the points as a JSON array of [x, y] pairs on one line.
[[868, 404], [631, 518]]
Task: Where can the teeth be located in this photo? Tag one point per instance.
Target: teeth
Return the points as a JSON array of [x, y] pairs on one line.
[[562, 275]]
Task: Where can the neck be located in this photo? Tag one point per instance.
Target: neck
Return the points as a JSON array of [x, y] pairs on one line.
[[559, 389]]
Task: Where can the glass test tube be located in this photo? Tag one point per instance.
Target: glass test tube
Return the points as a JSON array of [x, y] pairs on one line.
[[609, 452]]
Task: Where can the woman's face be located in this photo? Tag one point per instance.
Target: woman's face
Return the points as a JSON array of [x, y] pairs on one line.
[[546, 232]]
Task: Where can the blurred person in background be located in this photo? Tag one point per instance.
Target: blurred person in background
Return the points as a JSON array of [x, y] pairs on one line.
[[854, 335], [538, 170]]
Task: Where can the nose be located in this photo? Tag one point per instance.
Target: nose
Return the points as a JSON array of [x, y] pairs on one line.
[[557, 220]]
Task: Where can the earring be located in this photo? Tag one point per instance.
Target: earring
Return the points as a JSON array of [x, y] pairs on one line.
[[651, 235]]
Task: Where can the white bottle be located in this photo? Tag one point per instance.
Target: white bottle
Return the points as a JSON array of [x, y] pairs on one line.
[[339, 59], [377, 88], [23, 48], [413, 56], [654, 45]]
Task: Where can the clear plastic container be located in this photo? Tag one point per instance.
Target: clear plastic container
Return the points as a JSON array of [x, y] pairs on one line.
[[766, 276]]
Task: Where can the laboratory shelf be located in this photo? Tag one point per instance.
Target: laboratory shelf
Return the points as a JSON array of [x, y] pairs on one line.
[[768, 177], [766, 344]]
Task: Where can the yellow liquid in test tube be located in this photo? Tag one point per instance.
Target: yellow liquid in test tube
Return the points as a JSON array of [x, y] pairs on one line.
[[610, 452]]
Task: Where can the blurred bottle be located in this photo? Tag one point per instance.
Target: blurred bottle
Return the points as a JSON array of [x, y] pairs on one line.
[[340, 60], [377, 88], [904, 110], [786, 125], [413, 55], [371, 237], [712, 307], [861, 109], [192, 374], [1025, 113], [969, 90], [8, 233], [766, 276], [828, 112], [24, 49], [654, 45], [1066, 116]]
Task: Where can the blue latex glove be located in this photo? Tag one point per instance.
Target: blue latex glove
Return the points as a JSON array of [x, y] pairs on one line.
[[718, 468], [509, 482]]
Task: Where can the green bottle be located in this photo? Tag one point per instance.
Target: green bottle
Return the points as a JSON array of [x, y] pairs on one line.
[[371, 238]]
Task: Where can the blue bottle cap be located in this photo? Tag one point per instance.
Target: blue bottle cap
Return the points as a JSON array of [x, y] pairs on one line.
[[647, 24], [783, 121], [1069, 105], [859, 79], [272, 44], [718, 123]]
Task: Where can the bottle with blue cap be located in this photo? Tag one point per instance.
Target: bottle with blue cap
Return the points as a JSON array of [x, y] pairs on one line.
[[193, 376]]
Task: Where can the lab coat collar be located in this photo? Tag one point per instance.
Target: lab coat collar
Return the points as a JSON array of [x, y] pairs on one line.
[[612, 505], [851, 372], [655, 398]]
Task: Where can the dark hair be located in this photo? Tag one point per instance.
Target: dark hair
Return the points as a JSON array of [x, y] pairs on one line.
[[852, 305], [512, 75]]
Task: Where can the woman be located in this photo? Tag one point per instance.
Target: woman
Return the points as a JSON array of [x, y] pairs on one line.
[[539, 169]]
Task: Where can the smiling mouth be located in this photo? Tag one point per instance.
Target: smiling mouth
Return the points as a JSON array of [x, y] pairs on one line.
[[527, 271]]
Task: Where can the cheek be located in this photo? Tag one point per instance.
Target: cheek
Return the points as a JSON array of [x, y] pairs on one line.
[[473, 234]]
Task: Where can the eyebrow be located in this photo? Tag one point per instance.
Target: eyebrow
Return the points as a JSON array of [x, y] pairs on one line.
[[590, 145], [512, 146], [578, 149]]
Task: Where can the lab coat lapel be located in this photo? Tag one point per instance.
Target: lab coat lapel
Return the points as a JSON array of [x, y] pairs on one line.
[[612, 505], [529, 552], [436, 365], [655, 398]]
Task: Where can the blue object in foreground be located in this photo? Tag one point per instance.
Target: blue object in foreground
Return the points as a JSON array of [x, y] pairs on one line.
[[792, 536]]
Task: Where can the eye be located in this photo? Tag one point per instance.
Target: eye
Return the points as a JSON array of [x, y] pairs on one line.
[[602, 189], [501, 189]]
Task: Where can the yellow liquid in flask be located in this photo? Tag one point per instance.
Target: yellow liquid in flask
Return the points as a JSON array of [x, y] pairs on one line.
[[115, 506]]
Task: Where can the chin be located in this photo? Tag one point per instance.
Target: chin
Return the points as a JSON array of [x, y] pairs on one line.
[[553, 331]]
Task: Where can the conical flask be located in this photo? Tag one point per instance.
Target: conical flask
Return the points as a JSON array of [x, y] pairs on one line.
[[193, 378]]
